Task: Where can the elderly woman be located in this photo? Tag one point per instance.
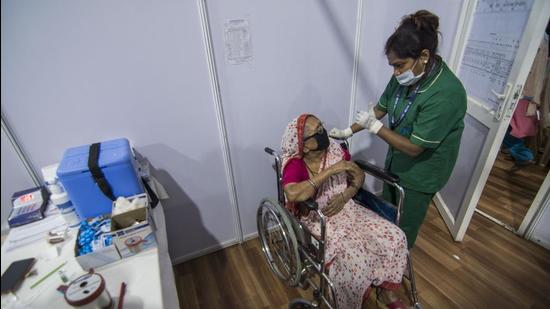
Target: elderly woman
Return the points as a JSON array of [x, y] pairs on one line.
[[362, 248]]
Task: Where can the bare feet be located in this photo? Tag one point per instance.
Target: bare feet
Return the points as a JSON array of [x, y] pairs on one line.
[[390, 299], [387, 296]]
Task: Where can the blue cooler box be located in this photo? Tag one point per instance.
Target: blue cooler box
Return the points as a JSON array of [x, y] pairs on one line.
[[117, 165]]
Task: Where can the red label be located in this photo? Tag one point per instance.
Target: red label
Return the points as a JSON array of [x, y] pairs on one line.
[[25, 198]]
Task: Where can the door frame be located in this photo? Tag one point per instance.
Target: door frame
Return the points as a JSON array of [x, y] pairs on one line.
[[526, 52], [535, 210]]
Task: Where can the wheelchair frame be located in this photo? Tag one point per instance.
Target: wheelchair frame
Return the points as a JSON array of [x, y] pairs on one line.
[[304, 246]]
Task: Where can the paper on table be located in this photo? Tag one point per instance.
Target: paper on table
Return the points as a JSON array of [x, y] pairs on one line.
[[28, 233]]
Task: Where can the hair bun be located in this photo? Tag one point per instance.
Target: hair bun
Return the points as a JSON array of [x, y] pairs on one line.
[[417, 31], [425, 20]]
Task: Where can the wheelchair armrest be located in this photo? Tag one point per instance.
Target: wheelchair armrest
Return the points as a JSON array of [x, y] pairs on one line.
[[310, 204], [377, 172]]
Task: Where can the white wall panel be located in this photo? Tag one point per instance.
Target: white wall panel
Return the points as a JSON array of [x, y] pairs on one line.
[[302, 62], [76, 72]]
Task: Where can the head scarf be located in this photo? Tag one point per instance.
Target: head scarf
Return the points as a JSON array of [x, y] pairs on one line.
[[292, 146]]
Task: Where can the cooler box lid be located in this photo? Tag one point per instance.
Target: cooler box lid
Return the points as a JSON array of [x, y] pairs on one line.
[[75, 159]]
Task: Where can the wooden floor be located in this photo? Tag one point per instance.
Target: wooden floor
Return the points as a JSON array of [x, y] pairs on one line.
[[493, 268], [508, 194]]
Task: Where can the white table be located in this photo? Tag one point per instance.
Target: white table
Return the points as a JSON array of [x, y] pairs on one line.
[[149, 275]]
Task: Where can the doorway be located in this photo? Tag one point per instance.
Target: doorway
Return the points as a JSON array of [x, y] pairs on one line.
[[510, 191], [494, 50], [522, 163]]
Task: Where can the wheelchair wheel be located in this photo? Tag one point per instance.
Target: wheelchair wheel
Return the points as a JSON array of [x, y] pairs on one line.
[[300, 303], [278, 241]]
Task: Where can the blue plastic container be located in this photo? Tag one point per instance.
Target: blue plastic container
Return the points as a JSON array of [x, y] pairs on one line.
[[117, 164]]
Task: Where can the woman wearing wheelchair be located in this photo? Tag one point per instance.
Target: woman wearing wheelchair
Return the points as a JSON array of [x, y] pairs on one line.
[[362, 248]]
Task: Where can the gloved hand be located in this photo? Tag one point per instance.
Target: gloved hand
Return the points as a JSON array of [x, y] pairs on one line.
[[367, 119], [340, 134]]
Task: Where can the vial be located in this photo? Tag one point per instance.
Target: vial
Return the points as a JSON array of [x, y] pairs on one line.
[[63, 275]]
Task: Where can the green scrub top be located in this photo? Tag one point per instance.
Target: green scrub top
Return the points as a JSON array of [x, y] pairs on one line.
[[434, 121]]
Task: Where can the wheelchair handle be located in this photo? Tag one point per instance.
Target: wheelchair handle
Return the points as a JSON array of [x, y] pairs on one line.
[[311, 204], [280, 192], [270, 151], [377, 172], [387, 177]]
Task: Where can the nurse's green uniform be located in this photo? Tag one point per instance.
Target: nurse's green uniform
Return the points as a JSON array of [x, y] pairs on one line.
[[434, 121]]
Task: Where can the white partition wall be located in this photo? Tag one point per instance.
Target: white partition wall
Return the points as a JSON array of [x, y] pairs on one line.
[[76, 72], [15, 177], [301, 61], [379, 20]]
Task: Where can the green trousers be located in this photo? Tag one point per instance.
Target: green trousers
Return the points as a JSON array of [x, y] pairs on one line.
[[414, 210]]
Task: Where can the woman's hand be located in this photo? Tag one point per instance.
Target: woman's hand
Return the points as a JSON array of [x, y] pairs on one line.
[[340, 134], [357, 176], [335, 204], [368, 120], [340, 167], [338, 201]]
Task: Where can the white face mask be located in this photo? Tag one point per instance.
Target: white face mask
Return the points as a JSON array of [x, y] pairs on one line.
[[408, 78]]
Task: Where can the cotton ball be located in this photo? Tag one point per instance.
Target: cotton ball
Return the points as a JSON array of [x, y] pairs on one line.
[[122, 205], [138, 202]]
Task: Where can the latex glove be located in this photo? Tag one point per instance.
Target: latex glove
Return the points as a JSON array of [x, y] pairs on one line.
[[340, 134], [367, 119]]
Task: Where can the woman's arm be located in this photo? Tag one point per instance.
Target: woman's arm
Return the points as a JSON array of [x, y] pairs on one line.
[[379, 114], [338, 201], [302, 191], [400, 142], [357, 178]]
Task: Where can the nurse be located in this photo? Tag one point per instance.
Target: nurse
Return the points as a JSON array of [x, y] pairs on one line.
[[425, 104]]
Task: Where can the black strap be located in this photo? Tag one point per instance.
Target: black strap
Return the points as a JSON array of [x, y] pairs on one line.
[[151, 193], [97, 174]]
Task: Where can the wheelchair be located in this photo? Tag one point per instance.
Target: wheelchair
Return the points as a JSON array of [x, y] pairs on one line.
[[296, 255]]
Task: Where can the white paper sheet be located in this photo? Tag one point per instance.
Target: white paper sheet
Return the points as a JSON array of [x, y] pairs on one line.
[[28, 233], [491, 47], [238, 47]]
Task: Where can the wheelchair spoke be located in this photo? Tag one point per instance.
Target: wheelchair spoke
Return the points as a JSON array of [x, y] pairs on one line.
[[279, 241], [281, 250]]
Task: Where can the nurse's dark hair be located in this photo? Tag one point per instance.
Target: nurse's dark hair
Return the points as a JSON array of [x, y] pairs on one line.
[[416, 32]]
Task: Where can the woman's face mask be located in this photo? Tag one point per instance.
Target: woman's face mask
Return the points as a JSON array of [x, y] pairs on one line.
[[408, 78], [321, 138]]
